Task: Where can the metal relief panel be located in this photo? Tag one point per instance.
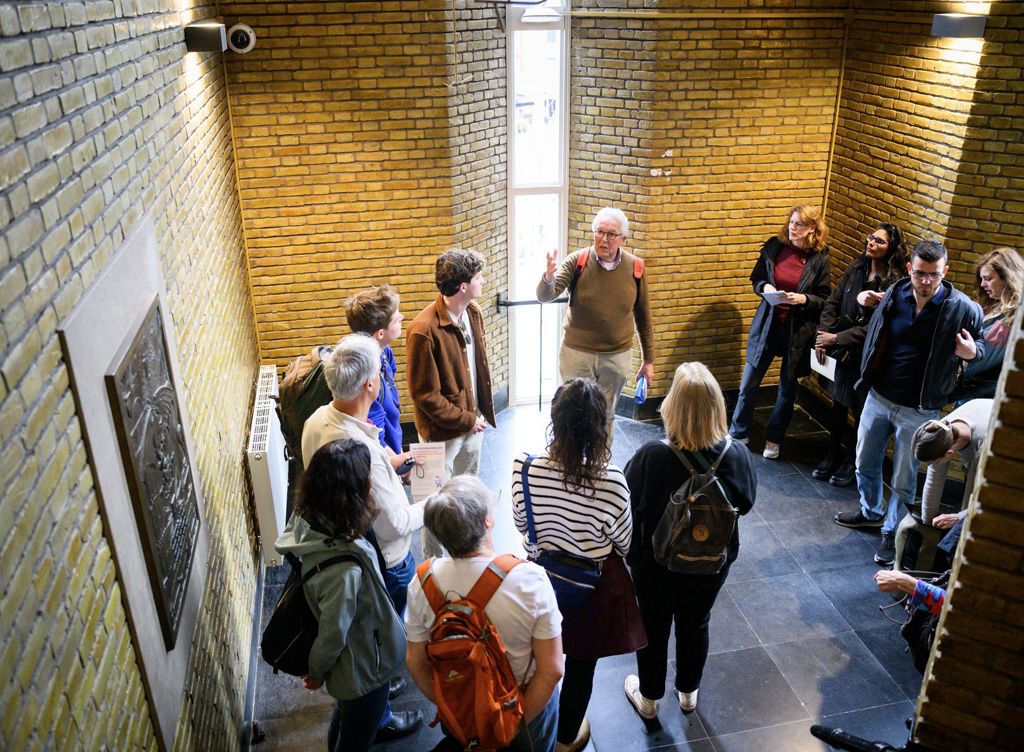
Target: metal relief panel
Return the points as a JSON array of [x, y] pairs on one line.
[[151, 439]]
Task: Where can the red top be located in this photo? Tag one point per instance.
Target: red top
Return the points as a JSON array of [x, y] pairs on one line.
[[788, 269]]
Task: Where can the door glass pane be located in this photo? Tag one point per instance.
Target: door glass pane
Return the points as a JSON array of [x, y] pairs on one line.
[[538, 106], [535, 331]]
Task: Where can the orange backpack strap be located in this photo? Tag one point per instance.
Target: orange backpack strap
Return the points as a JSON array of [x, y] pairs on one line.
[[638, 267], [581, 262], [425, 573], [491, 579]]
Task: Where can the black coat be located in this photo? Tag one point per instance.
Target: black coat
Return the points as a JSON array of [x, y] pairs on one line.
[[803, 319], [848, 320]]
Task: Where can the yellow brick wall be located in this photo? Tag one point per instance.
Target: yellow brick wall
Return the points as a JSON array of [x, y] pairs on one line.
[[358, 164], [905, 105], [706, 132], [478, 137], [103, 118]]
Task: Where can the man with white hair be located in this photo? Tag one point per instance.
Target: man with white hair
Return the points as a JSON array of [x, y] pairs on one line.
[[607, 301], [352, 373]]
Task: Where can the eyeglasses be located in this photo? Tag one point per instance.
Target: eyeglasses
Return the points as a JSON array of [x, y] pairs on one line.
[[922, 276], [875, 240], [607, 234]]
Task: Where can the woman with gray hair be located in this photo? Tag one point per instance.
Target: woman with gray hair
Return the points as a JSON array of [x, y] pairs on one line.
[[607, 301], [523, 610]]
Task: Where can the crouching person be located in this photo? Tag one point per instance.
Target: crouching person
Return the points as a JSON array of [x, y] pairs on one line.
[[359, 643], [517, 600]]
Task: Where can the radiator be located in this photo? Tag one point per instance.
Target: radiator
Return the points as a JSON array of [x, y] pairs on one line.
[[268, 466]]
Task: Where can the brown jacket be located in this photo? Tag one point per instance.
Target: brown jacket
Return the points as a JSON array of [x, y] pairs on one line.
[[439, 373]]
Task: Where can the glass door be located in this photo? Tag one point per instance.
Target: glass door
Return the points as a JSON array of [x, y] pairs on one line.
[[538, 128]]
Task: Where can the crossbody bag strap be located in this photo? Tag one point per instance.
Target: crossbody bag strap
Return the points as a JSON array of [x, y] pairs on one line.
[[531, 531]]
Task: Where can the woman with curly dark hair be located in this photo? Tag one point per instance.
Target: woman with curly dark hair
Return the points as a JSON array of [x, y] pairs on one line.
[[579, 505], [841, 330], [360, 644]]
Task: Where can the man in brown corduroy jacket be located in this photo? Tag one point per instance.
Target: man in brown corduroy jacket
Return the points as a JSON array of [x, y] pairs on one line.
[[449, 379]]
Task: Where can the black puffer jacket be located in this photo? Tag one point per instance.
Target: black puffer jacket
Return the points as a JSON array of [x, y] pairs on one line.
[[957, 312], [803, 319]]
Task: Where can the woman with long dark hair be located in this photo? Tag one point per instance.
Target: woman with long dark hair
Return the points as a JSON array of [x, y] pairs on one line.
[[794, 263], [580, 505], [694, 416], [841, 330], [361, 643]]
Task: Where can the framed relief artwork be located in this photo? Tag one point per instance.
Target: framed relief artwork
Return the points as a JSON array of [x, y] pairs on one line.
[[152, 443]]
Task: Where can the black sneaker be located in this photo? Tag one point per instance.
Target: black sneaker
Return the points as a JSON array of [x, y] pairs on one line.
[[885, 554], [856, 519], [844, 474], [824, 468]]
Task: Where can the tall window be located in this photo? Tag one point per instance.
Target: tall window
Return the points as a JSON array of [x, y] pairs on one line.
[[538, 131]]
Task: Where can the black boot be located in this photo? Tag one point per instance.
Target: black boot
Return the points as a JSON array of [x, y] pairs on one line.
[[844, 474], [824, 469]]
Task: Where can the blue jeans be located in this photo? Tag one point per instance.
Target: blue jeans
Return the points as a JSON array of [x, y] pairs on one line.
[[753, 373], [540, 732], [354, 723], [396, 582], [880, 420]]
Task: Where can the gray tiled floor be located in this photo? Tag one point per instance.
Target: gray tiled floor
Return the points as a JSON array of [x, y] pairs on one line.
[[797, 637]]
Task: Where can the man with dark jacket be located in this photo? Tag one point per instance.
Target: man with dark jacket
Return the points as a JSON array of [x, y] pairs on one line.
[[449, 378], [915, 341]]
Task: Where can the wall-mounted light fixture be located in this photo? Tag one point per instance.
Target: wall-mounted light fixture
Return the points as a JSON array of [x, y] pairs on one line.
[[205, 36], [958, 25]]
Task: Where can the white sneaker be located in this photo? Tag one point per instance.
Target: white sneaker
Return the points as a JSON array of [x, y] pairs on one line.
[[687, 700], [771, 451], [647, 709]]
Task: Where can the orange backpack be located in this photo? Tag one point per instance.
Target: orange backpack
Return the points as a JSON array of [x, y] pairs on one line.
[[477, 695]]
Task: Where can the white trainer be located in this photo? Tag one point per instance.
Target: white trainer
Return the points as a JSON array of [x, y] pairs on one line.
[[646, 708], [687, 700], [771, 452]]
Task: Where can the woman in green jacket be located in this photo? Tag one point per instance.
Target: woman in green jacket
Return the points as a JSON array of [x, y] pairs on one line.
[[361, 642]]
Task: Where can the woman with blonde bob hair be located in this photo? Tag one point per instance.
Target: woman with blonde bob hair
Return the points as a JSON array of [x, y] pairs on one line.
[[998, 279], [694, 416], [792, 270]]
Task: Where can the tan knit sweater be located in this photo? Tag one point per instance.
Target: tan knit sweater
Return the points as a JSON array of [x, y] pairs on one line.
[[606, 306]]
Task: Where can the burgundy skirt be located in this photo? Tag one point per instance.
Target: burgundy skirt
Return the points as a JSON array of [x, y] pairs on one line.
[[610, 623]]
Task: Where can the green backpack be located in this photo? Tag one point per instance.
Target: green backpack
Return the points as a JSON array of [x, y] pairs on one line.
[[302, 391]]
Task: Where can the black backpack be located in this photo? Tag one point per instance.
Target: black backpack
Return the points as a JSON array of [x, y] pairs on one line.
[[293, 628], [693, 534], [303, 390]]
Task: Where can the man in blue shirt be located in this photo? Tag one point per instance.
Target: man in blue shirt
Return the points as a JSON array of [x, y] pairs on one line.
[[915, 341]]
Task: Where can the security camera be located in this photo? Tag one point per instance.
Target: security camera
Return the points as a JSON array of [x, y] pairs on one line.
[[241, 38]]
